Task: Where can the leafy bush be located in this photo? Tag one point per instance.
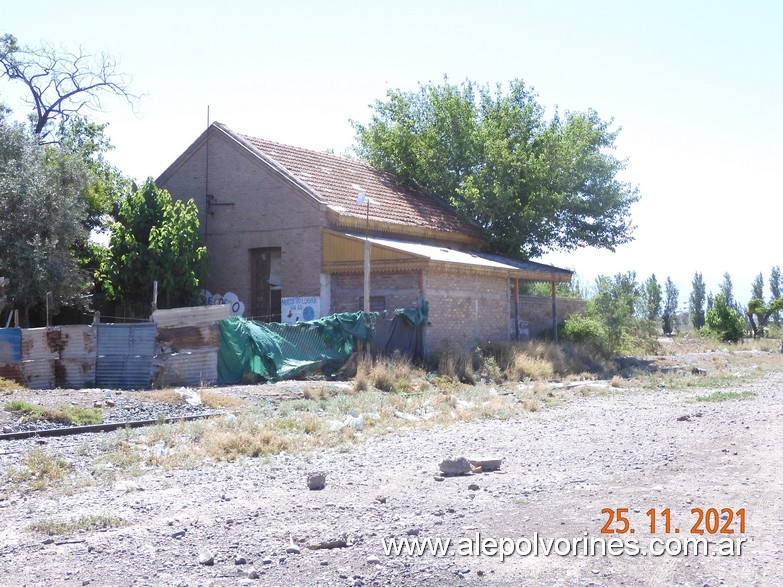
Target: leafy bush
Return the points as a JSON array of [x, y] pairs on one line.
[[584, 329], [724, 321]]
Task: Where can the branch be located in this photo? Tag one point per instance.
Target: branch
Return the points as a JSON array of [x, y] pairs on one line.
[[61, 83]]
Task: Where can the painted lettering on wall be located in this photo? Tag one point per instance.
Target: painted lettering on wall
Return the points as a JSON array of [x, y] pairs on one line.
[[300, 309], [229, 298]]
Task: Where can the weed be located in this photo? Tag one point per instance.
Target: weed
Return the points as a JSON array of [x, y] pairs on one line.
[[82, 523], [722, 396], [40, 469], [68, 415]]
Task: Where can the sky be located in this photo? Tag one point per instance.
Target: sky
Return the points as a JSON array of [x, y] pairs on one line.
[[696, 88]]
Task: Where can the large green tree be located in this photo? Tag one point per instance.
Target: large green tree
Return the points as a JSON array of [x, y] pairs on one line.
[[651, 298], [759, 313], [41, 211], [776, 288], [613, 306], [726, 289], [671, 297], [534, 183], [724, 321], [757, 288], [696, 301], [154, 239]]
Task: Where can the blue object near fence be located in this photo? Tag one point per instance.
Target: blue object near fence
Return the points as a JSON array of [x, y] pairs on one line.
[[10, 345]]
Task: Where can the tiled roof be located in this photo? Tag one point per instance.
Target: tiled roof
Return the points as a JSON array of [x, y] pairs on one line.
[[338, 181]]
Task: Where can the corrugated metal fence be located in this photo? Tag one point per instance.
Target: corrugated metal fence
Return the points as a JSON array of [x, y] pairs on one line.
[[179, 348], [125, 353]]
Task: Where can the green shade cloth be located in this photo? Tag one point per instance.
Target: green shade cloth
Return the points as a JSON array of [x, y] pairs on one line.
[[256, 351]]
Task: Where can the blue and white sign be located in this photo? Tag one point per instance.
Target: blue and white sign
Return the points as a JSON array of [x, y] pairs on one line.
[[300, 309]]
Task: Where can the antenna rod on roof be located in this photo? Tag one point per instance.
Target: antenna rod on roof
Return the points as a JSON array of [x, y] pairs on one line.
[[206, 185]]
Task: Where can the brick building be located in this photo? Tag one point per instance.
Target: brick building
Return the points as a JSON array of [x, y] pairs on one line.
[[283, 224]]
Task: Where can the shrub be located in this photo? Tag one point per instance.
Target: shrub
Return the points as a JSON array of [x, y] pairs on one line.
[[724, 321], [584, 329]]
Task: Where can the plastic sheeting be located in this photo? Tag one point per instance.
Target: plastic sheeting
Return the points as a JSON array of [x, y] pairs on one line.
[[252, 351]]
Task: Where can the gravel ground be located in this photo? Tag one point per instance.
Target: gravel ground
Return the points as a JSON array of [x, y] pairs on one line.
[[562, 467]]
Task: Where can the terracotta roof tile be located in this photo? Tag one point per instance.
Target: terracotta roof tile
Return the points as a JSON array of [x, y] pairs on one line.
[[338, 181]]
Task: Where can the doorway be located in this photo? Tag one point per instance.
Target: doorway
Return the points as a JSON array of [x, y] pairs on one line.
[[265, 284]]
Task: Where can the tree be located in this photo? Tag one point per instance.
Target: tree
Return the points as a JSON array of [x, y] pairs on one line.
[[776, 288], [60, 83], [670, 306], [757, 288], [726, 289], [41, 208], [154, 239], [758, 314], [533, 184], [696, 301], [723, 321], [542, 289], [651, 298], [107, 185], [613, 307]]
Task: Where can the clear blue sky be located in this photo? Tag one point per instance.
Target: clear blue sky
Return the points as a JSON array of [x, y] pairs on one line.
[[696, 87]]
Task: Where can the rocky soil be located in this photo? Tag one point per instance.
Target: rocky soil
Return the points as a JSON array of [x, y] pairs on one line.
[[256, 522]]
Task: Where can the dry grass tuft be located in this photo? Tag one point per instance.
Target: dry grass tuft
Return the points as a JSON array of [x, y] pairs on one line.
[[9, 385], [394, 374], [361, 381], [82, 523], [454, 365], [318, 393], [214, 399], [162, 396], [40, 470], [527, 367]]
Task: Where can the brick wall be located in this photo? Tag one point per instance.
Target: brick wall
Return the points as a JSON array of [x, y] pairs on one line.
[[465, 310], [399, 290], [535, 313], [267, 211]]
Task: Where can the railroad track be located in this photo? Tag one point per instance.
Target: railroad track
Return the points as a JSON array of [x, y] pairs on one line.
[[106, 427]]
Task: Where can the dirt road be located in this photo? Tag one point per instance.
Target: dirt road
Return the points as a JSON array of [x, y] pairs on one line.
[[562, 466]]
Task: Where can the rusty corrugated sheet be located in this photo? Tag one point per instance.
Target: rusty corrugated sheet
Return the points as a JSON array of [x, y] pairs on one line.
[[39, 374], [40, 343], [75, 373], [12, 371], [190, 368], [77, 342], [125, 353], [189, 338]]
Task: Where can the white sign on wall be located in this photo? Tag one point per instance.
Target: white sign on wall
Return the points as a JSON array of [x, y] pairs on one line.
[[300, 309], [229, 298]]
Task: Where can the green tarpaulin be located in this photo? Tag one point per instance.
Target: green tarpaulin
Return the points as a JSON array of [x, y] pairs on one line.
[[254, 351]]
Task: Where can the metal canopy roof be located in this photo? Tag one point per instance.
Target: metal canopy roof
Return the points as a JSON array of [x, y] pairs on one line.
[[518, 268]]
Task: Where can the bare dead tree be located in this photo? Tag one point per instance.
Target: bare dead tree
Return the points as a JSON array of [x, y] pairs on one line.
[[61, 83]]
